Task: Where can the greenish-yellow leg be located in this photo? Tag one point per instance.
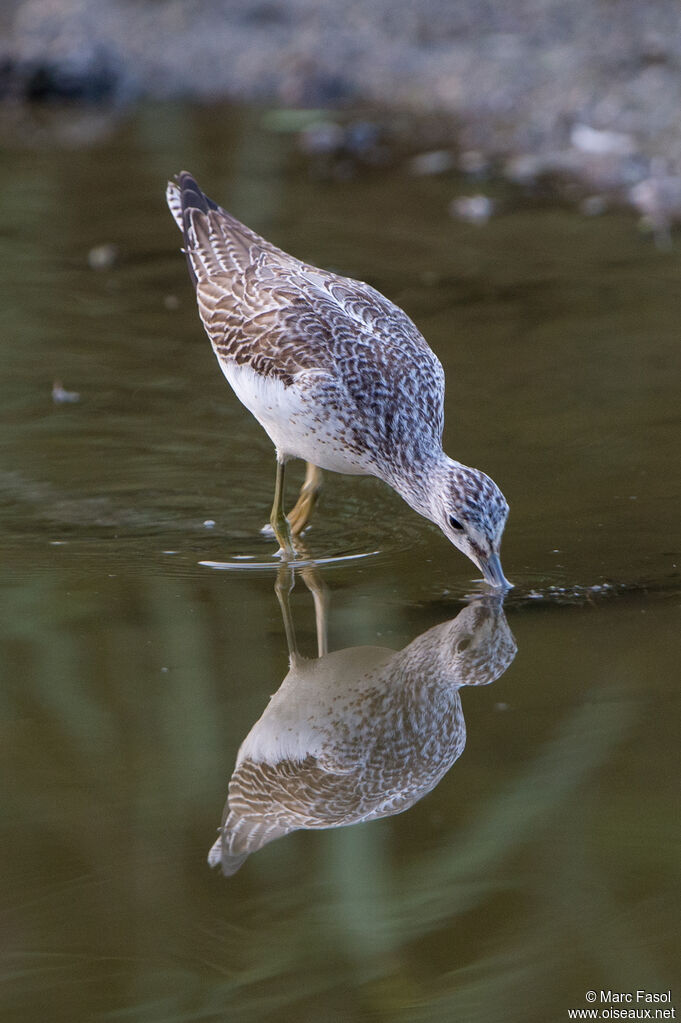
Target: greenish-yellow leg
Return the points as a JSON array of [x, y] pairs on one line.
[[282, 588], [320, 596], [278, 520], [299, 515]]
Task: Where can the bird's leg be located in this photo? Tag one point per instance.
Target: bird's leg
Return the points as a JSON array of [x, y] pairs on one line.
[[283, 586], [300, 513], [278, 520], [320, 596]]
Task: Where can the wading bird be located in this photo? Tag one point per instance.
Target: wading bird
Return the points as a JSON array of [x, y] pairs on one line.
[[336, 374]]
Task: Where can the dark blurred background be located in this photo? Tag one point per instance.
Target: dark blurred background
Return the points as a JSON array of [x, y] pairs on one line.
[[587, 91]]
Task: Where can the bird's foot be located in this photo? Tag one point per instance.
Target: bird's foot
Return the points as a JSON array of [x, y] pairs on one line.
[[299, 516], [268, 530], [282, 533], [300, 513]]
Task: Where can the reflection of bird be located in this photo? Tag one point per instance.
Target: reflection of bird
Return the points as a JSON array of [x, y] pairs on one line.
[[360, 733], [336, 374]]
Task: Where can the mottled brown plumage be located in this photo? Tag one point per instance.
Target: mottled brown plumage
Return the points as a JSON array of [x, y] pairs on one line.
[[360, 733], [335, 372]]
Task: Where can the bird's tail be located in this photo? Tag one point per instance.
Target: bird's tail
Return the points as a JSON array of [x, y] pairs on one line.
[[238, 838], [215, 242], [184, 194]]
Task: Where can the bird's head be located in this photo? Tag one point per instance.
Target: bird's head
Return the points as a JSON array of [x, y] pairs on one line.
[[471, 511]]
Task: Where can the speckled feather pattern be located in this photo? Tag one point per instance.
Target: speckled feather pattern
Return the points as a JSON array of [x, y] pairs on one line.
[[358, 359], [373, 731], [334, 372]]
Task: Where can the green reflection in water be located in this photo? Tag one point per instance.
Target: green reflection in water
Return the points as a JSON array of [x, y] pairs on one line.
[[546, 861]]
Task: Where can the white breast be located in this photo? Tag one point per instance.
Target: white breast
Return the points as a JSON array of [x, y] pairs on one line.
[[297, 419]]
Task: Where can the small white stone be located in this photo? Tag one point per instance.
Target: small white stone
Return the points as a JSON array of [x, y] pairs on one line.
[[102, 257], [60, 396], [600, 143], [474, 209]]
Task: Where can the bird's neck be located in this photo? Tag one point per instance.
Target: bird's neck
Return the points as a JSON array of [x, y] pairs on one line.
[[422, 479]]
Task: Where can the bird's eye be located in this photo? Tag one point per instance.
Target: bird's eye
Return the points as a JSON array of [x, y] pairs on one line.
[[454, 523]]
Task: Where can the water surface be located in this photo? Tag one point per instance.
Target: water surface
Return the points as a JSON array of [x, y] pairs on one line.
[[545, 862]]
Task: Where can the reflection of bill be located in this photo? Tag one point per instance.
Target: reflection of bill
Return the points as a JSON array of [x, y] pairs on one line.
[[360, 733]]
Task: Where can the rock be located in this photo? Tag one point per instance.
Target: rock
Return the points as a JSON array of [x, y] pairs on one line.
[[593, 205], [601, 143], [60, 396], [475, 209], [102, 257], [544, 87], [438, 161], [658, 200]]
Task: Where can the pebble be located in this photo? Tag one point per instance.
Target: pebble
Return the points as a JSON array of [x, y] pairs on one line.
[[474, 209], [60, 396], [600, 143], [102, 257], [438, 161]]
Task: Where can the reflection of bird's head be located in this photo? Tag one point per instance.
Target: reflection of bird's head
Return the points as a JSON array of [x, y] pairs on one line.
[[473, 649]]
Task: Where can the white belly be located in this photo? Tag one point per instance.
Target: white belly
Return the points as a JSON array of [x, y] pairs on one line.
[[298, 425]]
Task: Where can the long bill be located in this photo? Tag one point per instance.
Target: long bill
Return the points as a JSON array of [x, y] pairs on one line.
[[494, 573]]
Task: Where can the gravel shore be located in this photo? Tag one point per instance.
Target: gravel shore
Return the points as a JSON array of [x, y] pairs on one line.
[[589, 89]]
